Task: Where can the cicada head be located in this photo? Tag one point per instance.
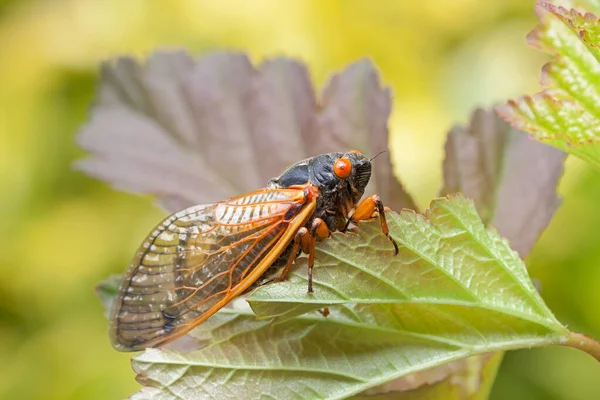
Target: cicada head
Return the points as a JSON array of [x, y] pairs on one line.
[[361, 173], [341, 172], [341, 177]]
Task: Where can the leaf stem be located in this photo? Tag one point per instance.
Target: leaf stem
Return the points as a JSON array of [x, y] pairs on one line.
[[584, 343]]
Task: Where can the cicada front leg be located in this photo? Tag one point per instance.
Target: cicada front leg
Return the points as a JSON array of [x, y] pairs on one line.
[[318, 228], [369, 208], [306, 239]]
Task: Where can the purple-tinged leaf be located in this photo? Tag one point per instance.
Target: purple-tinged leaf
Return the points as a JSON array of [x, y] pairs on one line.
[[511, 178], [284, 98], [196, 131], [527, 199], [354, 113], [467, 379]]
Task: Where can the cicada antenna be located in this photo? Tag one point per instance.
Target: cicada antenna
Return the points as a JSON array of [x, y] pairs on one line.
[[377, 155]]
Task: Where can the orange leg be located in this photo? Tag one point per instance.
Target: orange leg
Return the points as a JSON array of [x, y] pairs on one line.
[[298, 241], [307, 240], [370, 208], [317, 228]]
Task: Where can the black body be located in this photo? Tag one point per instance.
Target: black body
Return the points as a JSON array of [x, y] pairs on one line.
[[338, 196]]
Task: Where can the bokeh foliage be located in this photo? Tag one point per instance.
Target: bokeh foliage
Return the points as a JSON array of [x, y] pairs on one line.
[[65, 232], [565, 114]]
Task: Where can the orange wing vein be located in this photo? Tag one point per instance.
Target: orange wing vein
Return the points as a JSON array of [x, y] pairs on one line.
[[199, 259]]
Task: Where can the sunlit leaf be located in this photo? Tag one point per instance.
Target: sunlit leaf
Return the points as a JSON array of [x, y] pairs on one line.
[[512, 181], [192, 131], [566, 114], [455, 290], [511, 178], [448, 258]]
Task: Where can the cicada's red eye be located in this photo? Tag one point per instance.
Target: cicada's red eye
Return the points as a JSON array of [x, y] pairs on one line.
[[355, 151], [342, 168]]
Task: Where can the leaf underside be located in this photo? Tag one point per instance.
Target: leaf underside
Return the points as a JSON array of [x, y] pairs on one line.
[[467, 379], [198, 130]]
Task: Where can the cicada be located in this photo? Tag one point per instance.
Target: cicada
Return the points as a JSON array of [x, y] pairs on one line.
[[199, 259]]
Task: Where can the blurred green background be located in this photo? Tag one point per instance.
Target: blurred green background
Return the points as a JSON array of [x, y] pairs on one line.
[[62, 232]]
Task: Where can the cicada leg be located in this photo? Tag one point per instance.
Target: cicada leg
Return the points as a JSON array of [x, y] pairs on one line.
[[307, 240], [318, 228], [370, 208], [300, 237]]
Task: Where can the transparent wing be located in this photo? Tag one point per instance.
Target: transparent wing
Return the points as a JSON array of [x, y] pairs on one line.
[[198, 259]]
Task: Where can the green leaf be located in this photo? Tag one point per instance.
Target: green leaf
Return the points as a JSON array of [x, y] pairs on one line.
[[512, 180], [455, 290], [567, 113], [448, 262]]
